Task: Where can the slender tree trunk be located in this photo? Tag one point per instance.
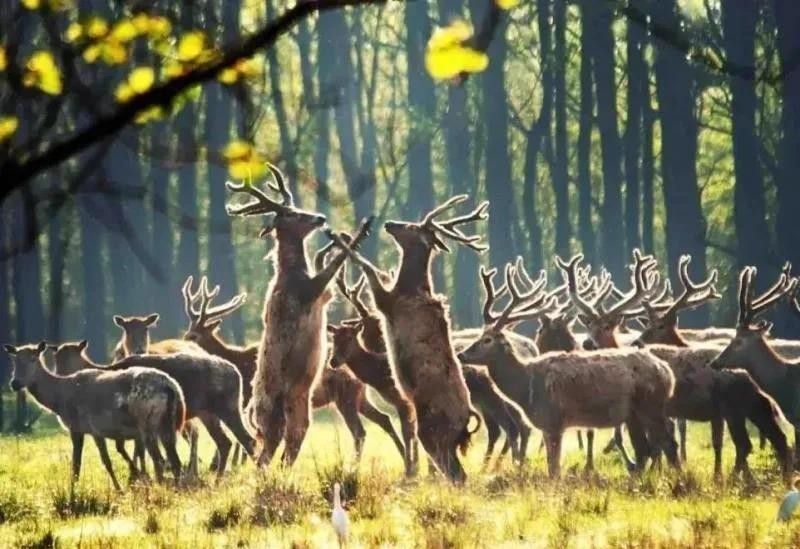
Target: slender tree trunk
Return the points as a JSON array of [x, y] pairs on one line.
[[322, 102], [685, 225], [600, 18], [561, 149], [56, 252], [95, 321], [5, 314], [456, 123], [637, 82], [494, 111], [787, 14], [648, 171], [584, 145]]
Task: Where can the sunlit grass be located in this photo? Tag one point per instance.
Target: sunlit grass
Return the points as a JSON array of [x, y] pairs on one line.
[[506, 507]]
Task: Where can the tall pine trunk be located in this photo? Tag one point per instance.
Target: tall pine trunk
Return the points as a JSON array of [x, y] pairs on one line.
[[637, 88], [560, 174], [685, 225], [585, 123]]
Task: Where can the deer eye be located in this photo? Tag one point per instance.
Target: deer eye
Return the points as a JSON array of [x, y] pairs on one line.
[[486, 340]]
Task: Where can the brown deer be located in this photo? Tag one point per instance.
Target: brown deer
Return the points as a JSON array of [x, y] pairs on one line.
[[139, 403], [579, 389], [777, 376], [293, 346], [417, 330], [339, 388], [211, 386]]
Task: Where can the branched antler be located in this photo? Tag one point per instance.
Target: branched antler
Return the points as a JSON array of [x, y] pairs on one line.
[[353, 293], [693, 294], [205, 314], [263, 204], [449, 229], [750, 307], [523, 305]]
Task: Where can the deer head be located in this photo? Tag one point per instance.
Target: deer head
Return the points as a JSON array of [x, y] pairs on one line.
[[69, 357], [25, 361], [135, 332], [522, 306], [367, 322], [749, 342], [662, 314], [287, 221], [603, 323], [345, 344], [204, 320]]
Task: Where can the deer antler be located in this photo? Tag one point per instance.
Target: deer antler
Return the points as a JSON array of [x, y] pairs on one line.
[[570, 272], [279, 185], [263, 204], [205, 314], [523, 305], [644, 281], [751, 307], [793, 298], [353, 293], [449, 229], [693, 294]]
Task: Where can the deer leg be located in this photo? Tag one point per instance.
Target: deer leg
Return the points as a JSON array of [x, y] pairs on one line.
[[151, 444], [139, 456], [298, 418], [214, 427], [271, 421], [716, 441], [232, 418], [768, 425], [492, 434], [524, 437], [796, 445], [762, 440], [741, 441], [103, 449], [372, 413], [589, 450], [553, 445], [77, 454], [170, 441], [349, 412], [408, 426], [620, 444], [119, 444], [641, 446], [682, 435], [580, 439]]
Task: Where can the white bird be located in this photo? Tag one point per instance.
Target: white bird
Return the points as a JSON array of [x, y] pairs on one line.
[[789, 503], [339, 516]]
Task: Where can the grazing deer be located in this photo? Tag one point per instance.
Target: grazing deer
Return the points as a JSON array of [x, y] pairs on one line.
[[417, 330], [139, 403], [293, 346], [579, 389], [211, 386], [750, 349]]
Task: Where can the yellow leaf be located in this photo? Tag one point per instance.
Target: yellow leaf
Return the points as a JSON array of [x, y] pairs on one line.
[[31, 4], [237, 150], [124, 92], [153, 113], [124, 31], [191, 45], [141, 79], [247, 169], [3, 59], [8, 125], [142, 22], [173, 69], [507, 4], [228, 76], [92, 53], [114, 53], [96, 27], [159, 27], [41, 71], [447, 56], [74, 32], [248, 68]]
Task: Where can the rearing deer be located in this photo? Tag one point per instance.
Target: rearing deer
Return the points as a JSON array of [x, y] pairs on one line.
[[417, 330], [293, 345]]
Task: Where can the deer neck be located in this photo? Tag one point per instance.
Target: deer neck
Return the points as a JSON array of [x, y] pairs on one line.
[[510, 374], [366, 364], [556, 341], [291, 256], [414, 275], [50, 390]]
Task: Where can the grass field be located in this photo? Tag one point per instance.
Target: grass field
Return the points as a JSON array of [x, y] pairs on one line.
[[503, 508]]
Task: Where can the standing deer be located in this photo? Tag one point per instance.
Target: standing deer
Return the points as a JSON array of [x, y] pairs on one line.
[[138, 403], [292, 353], [750, 349], [580, 389], [417, 330], [339, 388]]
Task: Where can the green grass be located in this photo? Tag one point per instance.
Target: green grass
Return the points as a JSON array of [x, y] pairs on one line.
[[505, 508]]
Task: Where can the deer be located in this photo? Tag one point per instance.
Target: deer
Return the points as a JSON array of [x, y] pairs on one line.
[[135, 339], [211, 386], [338, 388], [138, 403], [292, 352], [750, 349], [559, 390], [417, 330], [704, 394]]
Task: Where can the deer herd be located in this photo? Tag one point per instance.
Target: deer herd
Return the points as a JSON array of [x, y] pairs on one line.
[[442, 383]]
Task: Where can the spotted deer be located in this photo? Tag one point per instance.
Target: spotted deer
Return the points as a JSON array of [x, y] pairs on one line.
[[417, 330], [292, 352], [138, 403]]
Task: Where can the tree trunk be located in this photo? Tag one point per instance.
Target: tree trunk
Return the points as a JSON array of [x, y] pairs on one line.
[[95, 321], [494, 111], [584, 145], [685, 226], [457, 138], [57, 239], [600, 18], [5, 313], [637, 87], [561, 149], [321, 103], [648, 171]]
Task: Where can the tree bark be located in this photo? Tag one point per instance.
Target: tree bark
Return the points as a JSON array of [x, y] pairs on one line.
[[584, 145], [561, 149], [637, 88], [685, 225]]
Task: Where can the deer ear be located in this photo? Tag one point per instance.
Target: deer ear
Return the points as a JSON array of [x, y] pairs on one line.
[[10, 349], [82, 344], [119, 321], [41, 347], [152, 319], [585, 320], [213, 325], [331, 328], [53, 348]]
